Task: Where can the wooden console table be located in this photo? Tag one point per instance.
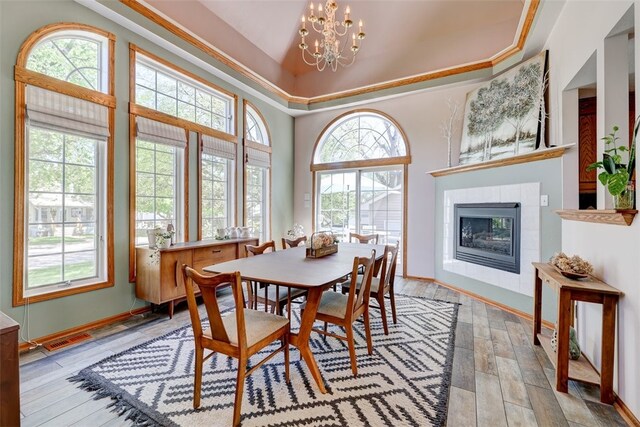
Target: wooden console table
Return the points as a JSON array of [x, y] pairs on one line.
[[10, 372], [159, 280], [588, 290]]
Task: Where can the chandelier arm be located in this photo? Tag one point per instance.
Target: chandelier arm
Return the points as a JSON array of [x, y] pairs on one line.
[[305, 59], [313, 25], [338, 33]]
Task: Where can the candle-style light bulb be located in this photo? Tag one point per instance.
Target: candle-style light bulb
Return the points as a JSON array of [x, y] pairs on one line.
[[360, 25], [317, 45], [311, 7], [304, 23], [353, 36], [347, 11], [319, 7]]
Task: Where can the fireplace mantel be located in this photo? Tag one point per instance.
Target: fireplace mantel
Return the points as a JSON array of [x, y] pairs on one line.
[[534, 156]]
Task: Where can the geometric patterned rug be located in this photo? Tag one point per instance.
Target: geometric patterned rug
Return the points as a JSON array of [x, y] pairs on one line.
[[404, 383]]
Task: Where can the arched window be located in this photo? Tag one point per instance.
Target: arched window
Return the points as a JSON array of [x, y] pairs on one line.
[[360, 168], [65, 105], [256, 127], [257, 176], [76, 57], [360, 136]]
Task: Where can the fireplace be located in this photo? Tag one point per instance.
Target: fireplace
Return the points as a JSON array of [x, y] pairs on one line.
[[488, 234]]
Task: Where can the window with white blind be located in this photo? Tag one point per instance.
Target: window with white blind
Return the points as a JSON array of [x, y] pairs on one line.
[[217, 166], [64, 230], [257, 173], [65, 203], [166, 90], [159, 166]]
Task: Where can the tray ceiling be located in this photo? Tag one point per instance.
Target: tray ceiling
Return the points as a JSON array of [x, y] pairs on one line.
[[404, 38]]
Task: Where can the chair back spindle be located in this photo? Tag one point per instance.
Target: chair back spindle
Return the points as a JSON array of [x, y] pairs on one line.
[[360, 297], [252, 250], [292, 243], [364, 238], [208, 286]]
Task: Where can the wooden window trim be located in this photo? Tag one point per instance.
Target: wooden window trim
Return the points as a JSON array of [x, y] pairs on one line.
[[404, 161], [22, 78], [262, 147], [134, 49]]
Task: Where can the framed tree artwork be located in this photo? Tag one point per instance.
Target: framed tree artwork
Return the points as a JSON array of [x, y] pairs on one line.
[[506, 116]]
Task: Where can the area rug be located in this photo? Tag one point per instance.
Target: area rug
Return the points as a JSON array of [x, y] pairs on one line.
[[404, 383]]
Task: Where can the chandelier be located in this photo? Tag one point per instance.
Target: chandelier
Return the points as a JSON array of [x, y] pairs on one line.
[[334, 37]]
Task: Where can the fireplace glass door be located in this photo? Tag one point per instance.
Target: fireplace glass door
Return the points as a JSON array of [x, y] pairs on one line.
[[488, 234]]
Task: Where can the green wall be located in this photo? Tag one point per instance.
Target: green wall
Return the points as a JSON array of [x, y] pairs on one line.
[[549, 174], [17, 21]]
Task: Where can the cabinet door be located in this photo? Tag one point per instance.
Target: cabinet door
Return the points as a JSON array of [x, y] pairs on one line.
[[171, 282]]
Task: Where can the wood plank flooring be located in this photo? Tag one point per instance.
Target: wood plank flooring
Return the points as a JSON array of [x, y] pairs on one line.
[[499, 378]]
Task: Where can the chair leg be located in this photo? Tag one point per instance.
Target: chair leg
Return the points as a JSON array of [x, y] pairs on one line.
[[380, 298], [237, 407], [197, 381], [367, 331], [286, 357], [392, 297], [325, 326], [352, 349]]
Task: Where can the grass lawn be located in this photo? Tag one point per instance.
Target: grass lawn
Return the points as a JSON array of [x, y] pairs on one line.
[[46, 275], [52, 240]]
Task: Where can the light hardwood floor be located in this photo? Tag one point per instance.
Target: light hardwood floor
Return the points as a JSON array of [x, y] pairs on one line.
[[499, 378]]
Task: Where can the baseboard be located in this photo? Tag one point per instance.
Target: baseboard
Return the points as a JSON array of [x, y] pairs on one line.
[[24, 346], [485, 300], [625, 412], [618, 404]]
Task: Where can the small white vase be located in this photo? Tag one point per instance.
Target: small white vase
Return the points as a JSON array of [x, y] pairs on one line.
[[151, 236]]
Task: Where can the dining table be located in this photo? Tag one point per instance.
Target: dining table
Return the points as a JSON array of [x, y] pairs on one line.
[[291, 268]]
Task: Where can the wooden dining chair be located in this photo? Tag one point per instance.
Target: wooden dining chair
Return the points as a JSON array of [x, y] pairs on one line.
[[292, 243], [382, 285], [364, 238], [274, 297], [239, 335], [343, 310]]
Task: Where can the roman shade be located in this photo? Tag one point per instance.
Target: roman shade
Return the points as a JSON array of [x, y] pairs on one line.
[[153, 131], [218, 147], [58, 112], [258, 158]]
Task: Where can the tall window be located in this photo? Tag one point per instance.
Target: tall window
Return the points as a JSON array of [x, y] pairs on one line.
[[257, 173], [171, 107], [217, 166], [64, 146], [160, 158], [359, 164]]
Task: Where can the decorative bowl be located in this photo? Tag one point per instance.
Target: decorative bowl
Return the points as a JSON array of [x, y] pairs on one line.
[[574, 276]]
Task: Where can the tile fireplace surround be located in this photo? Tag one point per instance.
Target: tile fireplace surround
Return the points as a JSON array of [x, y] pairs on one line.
[[528, 195]]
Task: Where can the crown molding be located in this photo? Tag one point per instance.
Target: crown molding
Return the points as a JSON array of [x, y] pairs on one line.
[[306, 103]]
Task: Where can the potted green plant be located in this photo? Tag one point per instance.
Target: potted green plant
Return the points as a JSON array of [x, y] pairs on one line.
[[616, 176]]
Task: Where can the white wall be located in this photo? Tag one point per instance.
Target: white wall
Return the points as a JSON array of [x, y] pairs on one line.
[[419, 115], [613, 250]]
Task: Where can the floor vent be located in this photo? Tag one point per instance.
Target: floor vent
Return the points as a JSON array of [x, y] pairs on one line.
[[66, 342]]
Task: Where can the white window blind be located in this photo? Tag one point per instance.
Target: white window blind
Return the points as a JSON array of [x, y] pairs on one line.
[[58, 112], [258, 158], [153, 131], [218, 147]]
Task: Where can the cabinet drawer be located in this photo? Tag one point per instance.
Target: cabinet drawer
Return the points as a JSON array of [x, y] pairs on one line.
[[214, 254]]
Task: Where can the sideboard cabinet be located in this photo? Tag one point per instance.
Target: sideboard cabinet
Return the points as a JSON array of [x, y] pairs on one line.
[[158, 274]]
